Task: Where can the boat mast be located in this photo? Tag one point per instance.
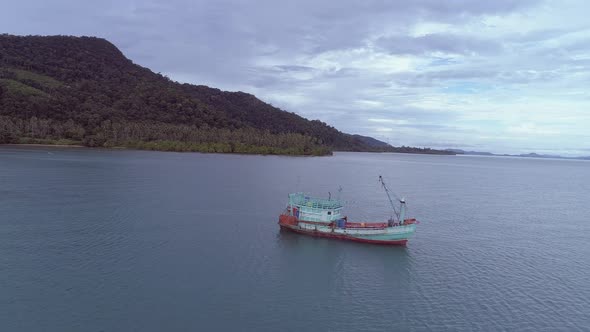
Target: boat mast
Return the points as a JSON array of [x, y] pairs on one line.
[[402, 215]]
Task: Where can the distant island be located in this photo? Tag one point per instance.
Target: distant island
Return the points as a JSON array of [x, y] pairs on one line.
[[84, 91], [523, 155]]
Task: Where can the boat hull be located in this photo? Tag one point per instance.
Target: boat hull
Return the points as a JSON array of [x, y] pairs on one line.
[[397, 235], [344, 237]]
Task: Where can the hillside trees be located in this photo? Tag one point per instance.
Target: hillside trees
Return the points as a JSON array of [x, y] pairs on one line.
[[84, 90]]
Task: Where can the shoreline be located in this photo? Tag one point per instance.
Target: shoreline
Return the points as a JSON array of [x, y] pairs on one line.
[[78, 146], [45, 145]]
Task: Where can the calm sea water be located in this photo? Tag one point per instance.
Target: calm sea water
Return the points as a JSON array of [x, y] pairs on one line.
[[99, 240]]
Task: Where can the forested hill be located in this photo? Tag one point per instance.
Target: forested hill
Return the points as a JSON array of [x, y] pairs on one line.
[[84, 90]]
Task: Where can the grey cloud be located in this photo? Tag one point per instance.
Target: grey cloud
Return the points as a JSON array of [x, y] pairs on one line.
[[539, 35], [445, 43], [294, 68], [353, 117], [582, 45], [524, 77], [462, 73], [433, 78], [219, 39], [430, 126], [492, 75], [464, 7], [282, 75], [341, 73]]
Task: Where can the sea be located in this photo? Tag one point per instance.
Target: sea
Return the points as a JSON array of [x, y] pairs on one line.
[[120, 240]]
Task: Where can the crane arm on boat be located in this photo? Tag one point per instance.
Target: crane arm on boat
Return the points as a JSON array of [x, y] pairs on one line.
[[402, 214]]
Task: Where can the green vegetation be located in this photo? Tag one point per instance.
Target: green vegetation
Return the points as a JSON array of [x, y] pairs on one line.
[[61, 141], [224, 148], [20, 88], [84, 90], [158, 136], [31, 78]]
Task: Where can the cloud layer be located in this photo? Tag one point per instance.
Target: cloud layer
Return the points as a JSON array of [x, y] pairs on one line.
[[504, 76]]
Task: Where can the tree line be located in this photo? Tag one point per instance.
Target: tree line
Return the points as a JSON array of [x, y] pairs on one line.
[[158, 136]]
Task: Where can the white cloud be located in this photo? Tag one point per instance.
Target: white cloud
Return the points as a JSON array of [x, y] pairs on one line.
[[531, 129], [389, 121]]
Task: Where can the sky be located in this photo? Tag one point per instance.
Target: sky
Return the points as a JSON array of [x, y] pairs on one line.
[[506, 76]]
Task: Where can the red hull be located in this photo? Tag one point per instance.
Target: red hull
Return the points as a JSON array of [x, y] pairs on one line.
[[342, 237]]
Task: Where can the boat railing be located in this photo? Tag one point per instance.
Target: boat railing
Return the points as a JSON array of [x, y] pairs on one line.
[[313, 202]]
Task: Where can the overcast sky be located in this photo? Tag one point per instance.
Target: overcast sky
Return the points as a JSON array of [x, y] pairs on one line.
[[501, 76]]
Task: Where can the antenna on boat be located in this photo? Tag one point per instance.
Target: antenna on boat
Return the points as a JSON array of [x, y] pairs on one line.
[[339, 192], [402, 201]]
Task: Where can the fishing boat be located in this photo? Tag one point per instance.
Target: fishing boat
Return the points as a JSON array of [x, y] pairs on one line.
[[322, 217]]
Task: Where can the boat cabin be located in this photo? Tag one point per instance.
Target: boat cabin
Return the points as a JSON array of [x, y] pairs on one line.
[[308, 208]]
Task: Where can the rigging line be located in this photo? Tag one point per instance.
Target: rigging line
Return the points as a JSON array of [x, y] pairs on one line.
[[393, 193], [389, 197]]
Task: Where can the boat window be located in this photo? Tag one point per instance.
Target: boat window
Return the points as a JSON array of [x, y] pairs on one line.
[[329, 212]]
